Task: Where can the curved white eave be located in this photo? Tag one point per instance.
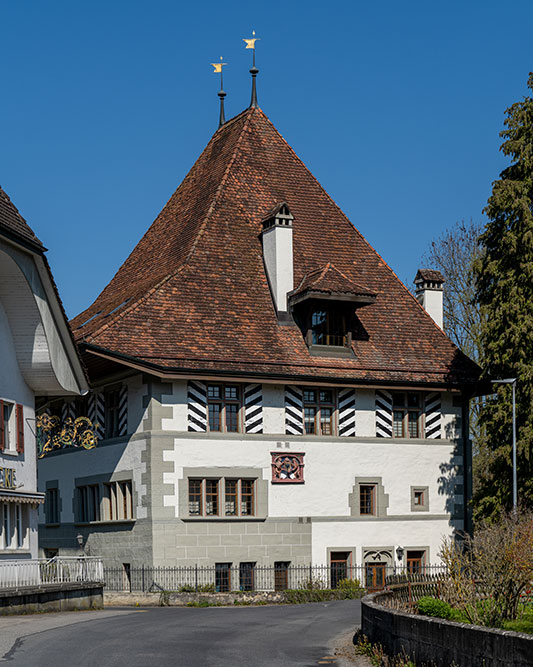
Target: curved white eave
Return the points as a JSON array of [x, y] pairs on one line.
[[45, 350]]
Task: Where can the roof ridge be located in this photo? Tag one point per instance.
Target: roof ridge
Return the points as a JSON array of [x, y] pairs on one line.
[[146, 295]]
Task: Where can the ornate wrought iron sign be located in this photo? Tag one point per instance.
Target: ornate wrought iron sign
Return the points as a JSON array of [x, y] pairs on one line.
[[54, 433], [287, 468]]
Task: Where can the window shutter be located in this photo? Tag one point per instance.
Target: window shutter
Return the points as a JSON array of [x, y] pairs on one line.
[[347, 412], [433, 412], [197, 406], [294, 418], [123, 410], [383, 414], [2, 443], [253, 408], [20, 428]]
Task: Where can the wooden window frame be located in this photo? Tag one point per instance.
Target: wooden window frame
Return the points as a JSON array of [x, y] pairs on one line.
[[332, 340], [406, 411], [415, 563], [373, 499], [52, 515], [118, 500], [223, 402], [222, 497], [89, 497], [318, 405]]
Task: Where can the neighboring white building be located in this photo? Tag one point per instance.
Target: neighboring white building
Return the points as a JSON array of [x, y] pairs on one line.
[[38, 356], [266, 389]]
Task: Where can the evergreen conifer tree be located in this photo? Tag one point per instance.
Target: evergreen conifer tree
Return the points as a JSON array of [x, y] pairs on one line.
[[504, 274]]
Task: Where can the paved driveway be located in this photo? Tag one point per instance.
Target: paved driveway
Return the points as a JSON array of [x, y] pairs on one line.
[[215, 636]]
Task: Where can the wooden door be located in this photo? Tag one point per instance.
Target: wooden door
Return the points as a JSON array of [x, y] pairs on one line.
[[375, 576], [339, 564]]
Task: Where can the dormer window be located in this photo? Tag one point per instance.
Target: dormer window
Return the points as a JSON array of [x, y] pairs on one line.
[[324, 305], [328, 327]]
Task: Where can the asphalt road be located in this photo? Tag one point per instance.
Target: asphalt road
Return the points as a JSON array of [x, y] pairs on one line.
[[192, 637]]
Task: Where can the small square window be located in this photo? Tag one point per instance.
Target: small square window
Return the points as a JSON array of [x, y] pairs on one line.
[[309, 396], [419, 499], [213, 391], [231, 393]]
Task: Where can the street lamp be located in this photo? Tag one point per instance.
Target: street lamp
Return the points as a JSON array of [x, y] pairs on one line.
[[512, 382]]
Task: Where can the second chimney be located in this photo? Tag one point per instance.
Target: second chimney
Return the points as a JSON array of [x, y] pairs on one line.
[[429, 292]]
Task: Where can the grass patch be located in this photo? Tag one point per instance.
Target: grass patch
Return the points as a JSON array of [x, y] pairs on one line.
[[522, 624]]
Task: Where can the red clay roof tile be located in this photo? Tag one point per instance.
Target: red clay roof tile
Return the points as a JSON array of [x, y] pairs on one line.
[[198, 295]]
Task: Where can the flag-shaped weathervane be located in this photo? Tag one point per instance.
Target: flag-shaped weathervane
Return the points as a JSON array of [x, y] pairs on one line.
[[218, 70], [250, 44]]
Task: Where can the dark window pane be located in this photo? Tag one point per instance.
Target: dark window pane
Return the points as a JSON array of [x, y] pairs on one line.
[[211, 497], [366, 499], [413, 424], [398, 399], [246, 575], [309, 396], [232, 417], [326, 396], [231, 497], [231, 393], [309, 420], [247, 497], [213, 391], [414, 400], [397, 423], [214, 417], [325, 421], [195, 497], [222, 577]]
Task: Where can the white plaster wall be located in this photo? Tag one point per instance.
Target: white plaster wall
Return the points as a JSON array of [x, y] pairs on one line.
[[65, 467], [343, 535], [330, 471], [177, 400], [273, 408]]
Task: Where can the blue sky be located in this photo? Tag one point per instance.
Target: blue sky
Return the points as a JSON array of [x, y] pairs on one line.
[[395, 108]]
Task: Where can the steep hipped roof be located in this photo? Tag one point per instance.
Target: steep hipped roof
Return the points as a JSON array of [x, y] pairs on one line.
[[13, 223], [199, 299]]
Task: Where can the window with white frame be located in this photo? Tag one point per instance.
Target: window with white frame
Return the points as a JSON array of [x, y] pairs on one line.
[[13, 526]]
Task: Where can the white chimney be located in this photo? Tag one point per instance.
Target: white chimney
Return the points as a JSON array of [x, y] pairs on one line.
[[429, 292], [277, 255]]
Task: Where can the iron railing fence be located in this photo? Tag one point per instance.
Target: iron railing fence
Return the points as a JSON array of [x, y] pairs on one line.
[[249, 577], [57, 570]]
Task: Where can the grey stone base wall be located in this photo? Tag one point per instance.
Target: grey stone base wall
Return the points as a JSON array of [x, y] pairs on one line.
[[51, 597], [116, 543], [208, 542], [442, 643], [173, 542]]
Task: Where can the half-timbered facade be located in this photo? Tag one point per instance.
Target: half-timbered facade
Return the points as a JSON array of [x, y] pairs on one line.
[[266, 389]]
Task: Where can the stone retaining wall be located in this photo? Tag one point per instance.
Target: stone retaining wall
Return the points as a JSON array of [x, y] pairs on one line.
[[440, 642], [51, 597], [182, 599]]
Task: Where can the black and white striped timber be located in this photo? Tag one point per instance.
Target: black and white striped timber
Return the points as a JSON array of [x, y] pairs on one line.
[[253, 408], [97, 412], [383, 414], [123, 410], [197, 406], [294, 418], [433, 411], [347, 412]]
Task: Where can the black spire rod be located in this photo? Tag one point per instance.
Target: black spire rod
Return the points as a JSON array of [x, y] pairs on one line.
[[250, 44], [221, 94]]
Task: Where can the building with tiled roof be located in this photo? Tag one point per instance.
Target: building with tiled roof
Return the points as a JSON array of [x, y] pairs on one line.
[[267, 390], [39, 356]]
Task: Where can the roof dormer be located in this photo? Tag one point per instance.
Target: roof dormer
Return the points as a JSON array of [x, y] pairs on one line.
[[324, 305]]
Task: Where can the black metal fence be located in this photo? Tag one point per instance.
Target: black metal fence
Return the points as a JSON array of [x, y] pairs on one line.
[[224, 577]]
